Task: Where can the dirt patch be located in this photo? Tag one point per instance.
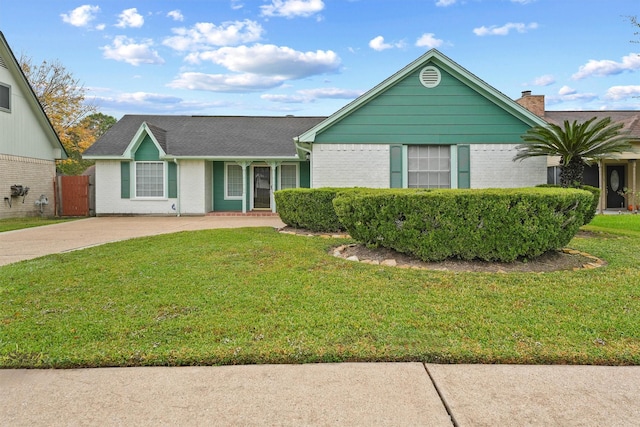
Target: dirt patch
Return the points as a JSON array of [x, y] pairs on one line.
[[566, 259]]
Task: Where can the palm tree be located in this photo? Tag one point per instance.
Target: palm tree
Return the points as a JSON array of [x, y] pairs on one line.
[[576, 143]]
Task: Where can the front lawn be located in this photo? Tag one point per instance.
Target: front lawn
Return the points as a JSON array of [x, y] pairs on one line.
[[9, 224], [244, 296]]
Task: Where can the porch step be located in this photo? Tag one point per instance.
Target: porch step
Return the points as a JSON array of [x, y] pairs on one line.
[[252, 213]]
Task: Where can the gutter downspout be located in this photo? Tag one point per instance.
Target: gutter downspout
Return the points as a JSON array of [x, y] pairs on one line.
[[296, 141], [177, 187]]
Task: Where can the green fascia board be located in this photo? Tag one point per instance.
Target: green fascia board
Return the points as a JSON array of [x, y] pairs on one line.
[[437, 58], [36, 107], [234, 158]]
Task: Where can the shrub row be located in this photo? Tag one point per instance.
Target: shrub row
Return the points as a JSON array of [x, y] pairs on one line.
[[489, 224], [308, 208], [594, 203]]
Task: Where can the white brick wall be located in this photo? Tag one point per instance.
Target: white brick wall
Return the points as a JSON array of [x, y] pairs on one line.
[[192, 192], [350, 165], [38, 175], [492, 166]]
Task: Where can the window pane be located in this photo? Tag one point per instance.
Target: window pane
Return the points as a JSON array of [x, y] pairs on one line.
[[287, 176], [429, 166], [150, 179], [234, 181], [5, 97]]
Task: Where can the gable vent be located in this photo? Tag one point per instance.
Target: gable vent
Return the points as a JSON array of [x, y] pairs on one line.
[[430, 77], [2, 63]]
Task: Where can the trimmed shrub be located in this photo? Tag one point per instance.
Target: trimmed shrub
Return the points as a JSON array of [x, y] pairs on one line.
[[491, 224], [594, 203], [311, 208]]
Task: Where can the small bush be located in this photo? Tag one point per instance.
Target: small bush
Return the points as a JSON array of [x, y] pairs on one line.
[[310, 208], [492, 224]]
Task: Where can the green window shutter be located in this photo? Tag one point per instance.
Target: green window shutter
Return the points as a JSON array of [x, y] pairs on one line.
[[125, 180], [395, 154], [173, 180], [464, 166]]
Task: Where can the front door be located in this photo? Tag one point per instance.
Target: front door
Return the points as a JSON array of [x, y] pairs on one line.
[[615, 183], [262, 187]]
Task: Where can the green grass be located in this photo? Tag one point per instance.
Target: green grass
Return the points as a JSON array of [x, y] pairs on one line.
[[10, 224], [249, 296]]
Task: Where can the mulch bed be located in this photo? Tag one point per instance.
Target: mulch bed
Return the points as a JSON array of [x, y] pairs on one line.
[[550, 261]]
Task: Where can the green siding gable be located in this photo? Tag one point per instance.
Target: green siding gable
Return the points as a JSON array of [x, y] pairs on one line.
[[409, 113], [147, 150]]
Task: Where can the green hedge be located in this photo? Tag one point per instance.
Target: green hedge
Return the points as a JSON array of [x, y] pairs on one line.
[[310, 208], [491, 224], [594, 203]]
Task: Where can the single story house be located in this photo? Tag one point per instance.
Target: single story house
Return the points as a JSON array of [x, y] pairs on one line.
[[29, 146], [431, 124]]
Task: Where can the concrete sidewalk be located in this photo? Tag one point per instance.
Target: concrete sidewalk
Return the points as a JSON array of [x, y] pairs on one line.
[[349, 394], [35, 242]]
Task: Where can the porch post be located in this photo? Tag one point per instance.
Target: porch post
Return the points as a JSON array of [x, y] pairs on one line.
[[272, 199], [603, 185], [633, 186], [244, 185]]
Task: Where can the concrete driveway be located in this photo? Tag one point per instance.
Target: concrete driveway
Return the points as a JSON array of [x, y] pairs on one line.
[[35, 242]]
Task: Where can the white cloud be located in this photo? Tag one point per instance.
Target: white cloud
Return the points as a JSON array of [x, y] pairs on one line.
[[176, 15], [494, 30], [205, 34], [445, 3], [127, 50], [566, 90], [292, 8], [271, 60], [429, 40], [81, 16], [378, 43], [311, 95], [236, 4], [130, 18], [607, 67], [147, 102], [568, 94], [545, 80], [100, 27], [623, 92], [226, 82]]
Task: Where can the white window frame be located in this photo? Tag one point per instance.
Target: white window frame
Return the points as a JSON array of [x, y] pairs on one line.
[[226, 181], [8, 108], [297, 166], [164, 180], [439, 170]]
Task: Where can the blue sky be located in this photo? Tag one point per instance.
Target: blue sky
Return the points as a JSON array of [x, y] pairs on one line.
[[311, 57]]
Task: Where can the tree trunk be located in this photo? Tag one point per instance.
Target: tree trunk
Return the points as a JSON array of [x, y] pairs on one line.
[[571, 174]]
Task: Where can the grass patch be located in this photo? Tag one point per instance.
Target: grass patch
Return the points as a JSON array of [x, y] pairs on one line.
[[246, 296], [10, 224]]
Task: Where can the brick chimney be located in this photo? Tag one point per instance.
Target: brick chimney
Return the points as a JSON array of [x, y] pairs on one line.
[[533, 103]]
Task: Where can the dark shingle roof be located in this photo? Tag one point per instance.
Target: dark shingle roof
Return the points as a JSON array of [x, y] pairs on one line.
[[631, 119], [214, 136]]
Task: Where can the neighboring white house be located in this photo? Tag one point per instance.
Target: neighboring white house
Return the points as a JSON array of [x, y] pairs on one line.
[[29, 146]]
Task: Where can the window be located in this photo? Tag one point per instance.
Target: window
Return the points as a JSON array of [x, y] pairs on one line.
[[288, 176], [233, 181], [149, 179], [429, 166], [5, 97]]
